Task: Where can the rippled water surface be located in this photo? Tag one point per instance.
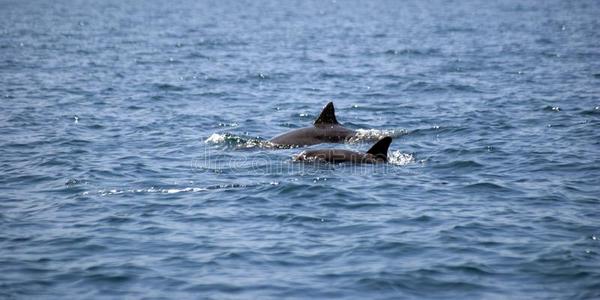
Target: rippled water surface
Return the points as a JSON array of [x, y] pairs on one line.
[[133, 157]]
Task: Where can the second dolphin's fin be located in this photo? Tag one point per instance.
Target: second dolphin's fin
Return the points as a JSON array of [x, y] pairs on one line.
[[327, 116], [380, 148]]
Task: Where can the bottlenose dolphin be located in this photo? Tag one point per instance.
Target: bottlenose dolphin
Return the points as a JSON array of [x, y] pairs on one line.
[[325, 129], [377, 154]]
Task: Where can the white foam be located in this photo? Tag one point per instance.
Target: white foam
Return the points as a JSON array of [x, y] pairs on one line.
[[400, 159], [216, 138], [375, 134], [189, 189]]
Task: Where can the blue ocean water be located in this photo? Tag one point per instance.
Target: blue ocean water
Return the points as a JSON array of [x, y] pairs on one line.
[[133, 160]]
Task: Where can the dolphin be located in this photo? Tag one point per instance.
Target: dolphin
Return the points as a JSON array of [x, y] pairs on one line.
[[377, 154], [325, 129]]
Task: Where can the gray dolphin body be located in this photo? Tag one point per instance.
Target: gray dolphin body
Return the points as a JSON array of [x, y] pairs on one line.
[[377, 154], [325, 129]]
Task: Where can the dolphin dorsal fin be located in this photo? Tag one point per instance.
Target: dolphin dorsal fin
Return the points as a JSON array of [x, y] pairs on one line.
[[327, 116], [381, 147]]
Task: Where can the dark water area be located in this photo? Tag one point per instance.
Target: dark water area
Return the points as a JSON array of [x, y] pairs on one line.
[[133, 161]]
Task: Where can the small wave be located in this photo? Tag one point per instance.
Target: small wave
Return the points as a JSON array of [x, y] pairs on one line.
[[594, 111], [169, 87], [153, 190], [73, 181], [551, 108], [461, 164], [150, 190], [297, 219], [486, 186], [229, 124], [437, 129], [424, 86], [363, 135], [412, 51], [451, 29], [544, 41], [196, 55]]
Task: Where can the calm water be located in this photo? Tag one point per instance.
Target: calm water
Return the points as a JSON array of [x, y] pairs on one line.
[[133, 164]]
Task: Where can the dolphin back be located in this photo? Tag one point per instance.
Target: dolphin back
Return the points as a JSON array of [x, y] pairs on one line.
[[325, 129]]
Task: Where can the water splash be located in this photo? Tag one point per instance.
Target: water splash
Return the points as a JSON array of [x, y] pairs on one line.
[[368, 135], [216, 138], [400, 159], [239, 142]]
